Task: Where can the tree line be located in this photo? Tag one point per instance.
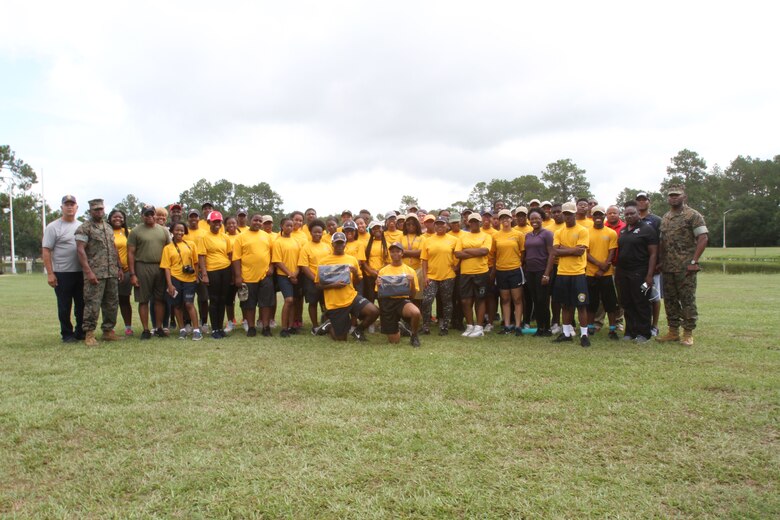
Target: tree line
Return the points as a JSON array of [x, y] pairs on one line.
[[749, 189]]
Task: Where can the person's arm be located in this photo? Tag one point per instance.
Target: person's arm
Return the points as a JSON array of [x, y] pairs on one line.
[[169, 282], [238, 280], [131, 266], [82, 254], [476, 251], [51, 278], [425, 273], [653, 249], [701, 244], [204, 275], [307, 272]]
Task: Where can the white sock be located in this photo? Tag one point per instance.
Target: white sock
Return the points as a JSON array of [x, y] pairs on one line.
[[583, 331], [568, 330]]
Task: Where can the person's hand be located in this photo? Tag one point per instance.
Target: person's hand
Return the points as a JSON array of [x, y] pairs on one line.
[[649, 281], [134, 281], [294, 280], [91, 278], [599, 273], [121, 276], [545, 279], [51, 279], [172, 291], [692, 269], [353, 269], [204, 279], [238, 282]]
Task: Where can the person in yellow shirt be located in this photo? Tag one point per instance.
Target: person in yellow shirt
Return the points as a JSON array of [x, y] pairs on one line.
[[331, 227], [457, 308], [194, 232], [571, 286], [298, 232], [118, 221], [179, 260], [583, 209], [242, 224], [392, 232], [355, 248], [412, 240], [428, 222], [252, 266], [214, 258], [472, 250], [268, 227], [600, 272], [397, 307], [232, 233], [300, 235], [311, 255], [438, 262], [377, 256], [363, 233], [509, 245], [284, 256], [342, 301], [555, 222], [309, 216], [487, 222], [205, 209], [521, 218]]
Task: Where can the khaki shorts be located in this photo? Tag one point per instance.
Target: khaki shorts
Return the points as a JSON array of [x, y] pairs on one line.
[[152, 282]]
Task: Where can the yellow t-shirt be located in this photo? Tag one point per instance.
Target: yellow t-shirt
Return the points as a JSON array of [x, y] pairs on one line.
[[552, 226], [312, 253], [363, 237], [412, 243], [216, 249], [356, 249], [306, 232], [474, 240], [395, 270], [242, 229], [571, 237], [253, 249], [600, 242], [587, 223], [456, 235], [232, 239], [490, 231], [377, 259], [203, 225], [300, 236], [439, 251], [120, 241], [286, 251], [508, 247], [393, 236], [343, 296], [525, 229], [172, 259], [193, 236]]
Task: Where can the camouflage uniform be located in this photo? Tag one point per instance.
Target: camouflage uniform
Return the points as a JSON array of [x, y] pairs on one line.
[[679, 232], [103, 260]]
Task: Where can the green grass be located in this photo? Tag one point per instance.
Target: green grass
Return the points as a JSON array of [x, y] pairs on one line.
[[742, 254], [303, 428]]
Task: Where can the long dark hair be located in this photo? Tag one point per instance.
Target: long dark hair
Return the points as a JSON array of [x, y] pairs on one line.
[[418, 227], [385, 251]]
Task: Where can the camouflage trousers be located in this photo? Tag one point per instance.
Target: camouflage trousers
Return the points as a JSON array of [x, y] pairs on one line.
[[444, 288], [680, 299], [104, 296]]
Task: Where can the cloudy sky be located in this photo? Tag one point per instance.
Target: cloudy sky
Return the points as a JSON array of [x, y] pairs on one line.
[[353, 104]]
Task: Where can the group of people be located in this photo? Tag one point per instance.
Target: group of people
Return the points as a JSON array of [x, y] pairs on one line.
[[540, 265]]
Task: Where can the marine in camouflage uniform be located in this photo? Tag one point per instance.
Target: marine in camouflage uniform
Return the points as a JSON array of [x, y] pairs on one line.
[[100, 261], [684, 236]]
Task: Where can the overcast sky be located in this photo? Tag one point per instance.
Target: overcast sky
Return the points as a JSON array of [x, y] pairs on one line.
[[354, 104]]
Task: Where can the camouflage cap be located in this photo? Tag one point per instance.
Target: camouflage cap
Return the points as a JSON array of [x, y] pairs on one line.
[[96, 204], [676, 190]]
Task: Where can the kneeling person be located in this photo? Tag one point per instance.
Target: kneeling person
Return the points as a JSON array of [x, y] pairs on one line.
[[341, 298], [395, 307]]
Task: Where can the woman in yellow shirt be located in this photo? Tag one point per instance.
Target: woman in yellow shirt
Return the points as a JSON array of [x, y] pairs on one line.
[[412, 241], [232, 232], [284, 256], [509, 247], [179, 259], [377, 256], [118, 221], [438, 263], [214, 260]]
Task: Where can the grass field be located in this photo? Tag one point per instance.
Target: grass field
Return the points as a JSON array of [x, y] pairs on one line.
[[766, 254], [304, 428]]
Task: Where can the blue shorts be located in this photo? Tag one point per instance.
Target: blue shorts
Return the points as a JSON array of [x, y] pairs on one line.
[[186, 292], [287, 288], [571, 290]]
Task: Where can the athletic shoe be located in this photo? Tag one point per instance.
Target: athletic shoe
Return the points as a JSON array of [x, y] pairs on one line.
[[538, 334], [425, 330], [414, 341], [359, 335], [267, 332], [641, 339], [284, 334], [204, 327], [443, 332], [324, 329], [166, 332], [547, 334], [182, 334], [478, 332], [272, 324], [626, 338], [404, 328], [563, 338], [147, 334], [128, 332], [584, 340], [468, 331], [159, 333], [293, 330], [653, 331], [230, 326], [556, 329], [245, 325], [251, 332], [505, 330], [216, 335], [613, 335], [196, 335], [188, 328], [488, 327], [592, 330]]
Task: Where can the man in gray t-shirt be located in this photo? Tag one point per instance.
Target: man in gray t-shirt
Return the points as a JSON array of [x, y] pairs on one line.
[[60, 258]]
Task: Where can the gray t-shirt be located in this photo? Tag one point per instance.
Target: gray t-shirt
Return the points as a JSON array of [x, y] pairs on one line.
[[58, 237]]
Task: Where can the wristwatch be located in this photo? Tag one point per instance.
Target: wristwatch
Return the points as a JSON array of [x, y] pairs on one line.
[[694, 262]]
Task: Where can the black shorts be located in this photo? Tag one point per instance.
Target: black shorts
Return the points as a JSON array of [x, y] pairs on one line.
[[601, 289], [261, 294], [125, 288], [312, 293], [512, 279], [571, 290], [340, 318], [474, 286], [202, 290], [391, 312], [289, 289]]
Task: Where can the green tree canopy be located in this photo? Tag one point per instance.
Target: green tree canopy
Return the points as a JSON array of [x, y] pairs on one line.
[[565, 181], [229, 198]]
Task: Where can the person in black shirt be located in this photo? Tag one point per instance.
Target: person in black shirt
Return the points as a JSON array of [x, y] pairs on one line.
[[638, 246], [643, 206]]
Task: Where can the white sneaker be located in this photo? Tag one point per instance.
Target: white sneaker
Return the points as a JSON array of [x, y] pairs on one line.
[[556, 329], [205, 329], [230, 326], [469, 329], [477, 332], [371, 329], [488, 327], [245, 325], [188, 329], [272, 324]]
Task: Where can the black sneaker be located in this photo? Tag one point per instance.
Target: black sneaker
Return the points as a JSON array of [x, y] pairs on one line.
[[425, 331], [292, 330], [613, 335], [267, 332], [547, 333], [562, 338], [147, 334], [505, 330], [359, 335], [518, 331], [405, 332], [414, 341], [70, 339], [584, 340], [159, 333], [284, 334], [539, 333], [443, 332], [216, 335], [323, 329], [252, 332]]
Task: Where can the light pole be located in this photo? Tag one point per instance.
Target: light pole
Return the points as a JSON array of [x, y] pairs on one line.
[[11, 205], [724, 226]]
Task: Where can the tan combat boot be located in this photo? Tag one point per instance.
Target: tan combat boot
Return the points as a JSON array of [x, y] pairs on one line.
[[672, 335], [109, 335], [91, 340], [687, 339]]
